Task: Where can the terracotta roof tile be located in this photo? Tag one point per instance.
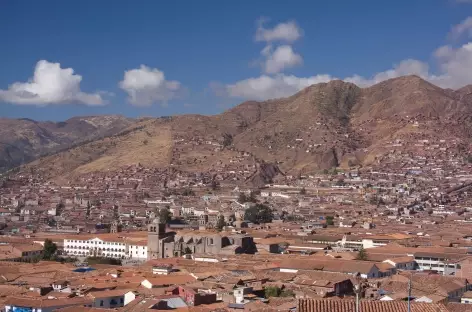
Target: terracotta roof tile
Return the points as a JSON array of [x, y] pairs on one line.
[[171, 280], [459, 307], [320, 305]]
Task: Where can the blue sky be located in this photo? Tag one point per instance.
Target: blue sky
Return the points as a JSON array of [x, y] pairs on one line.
[[206, 56]]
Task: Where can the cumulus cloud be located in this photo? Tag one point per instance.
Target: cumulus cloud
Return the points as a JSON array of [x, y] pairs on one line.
[[281, 58], [465, 27], [406, 67], [146, 86], [453, 70], [270, 87], [287, 32], [454, 66], [50, 84]]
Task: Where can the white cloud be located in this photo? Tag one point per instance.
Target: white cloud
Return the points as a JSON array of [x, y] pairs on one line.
[[406, 67], [50, 84], [271, 87], [146, 86], [288, 32], [465, 27], [453, 65], [454, 72], [281, 58], [268, 87]]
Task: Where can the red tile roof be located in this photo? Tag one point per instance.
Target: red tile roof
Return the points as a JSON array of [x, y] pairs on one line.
[[320, 305]]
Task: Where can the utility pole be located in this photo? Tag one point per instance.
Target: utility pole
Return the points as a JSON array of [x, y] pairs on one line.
[[357, 290], [409, 294]]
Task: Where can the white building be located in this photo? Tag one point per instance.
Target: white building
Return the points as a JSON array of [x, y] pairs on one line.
[[159, 201], [467, 297], [162, 269], [402, 263], [112, 299], [187, 210], [118, 249], [366, 243], [446, 264]]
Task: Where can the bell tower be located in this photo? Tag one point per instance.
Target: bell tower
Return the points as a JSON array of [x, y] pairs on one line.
[[156, 232], [114, 227]]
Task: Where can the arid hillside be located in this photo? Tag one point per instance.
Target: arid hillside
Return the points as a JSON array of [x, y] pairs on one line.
[[23, 140], [335, 124]]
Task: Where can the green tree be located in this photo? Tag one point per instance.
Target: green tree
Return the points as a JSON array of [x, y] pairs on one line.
[[272, 291], [59, 208], [220, 223], [89, 207], [259, 213], [362, 254], [49, 249], [329, 220], [165, 215]]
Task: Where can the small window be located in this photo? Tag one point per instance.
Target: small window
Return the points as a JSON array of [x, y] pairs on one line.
[[101, 303]]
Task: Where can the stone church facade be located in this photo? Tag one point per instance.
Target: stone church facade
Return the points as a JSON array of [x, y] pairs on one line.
[[162, 244]]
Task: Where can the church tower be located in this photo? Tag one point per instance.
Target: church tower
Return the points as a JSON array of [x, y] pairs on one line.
[[156, 232], [114, 227]]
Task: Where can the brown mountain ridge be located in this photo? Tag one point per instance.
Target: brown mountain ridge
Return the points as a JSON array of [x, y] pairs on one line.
[[23, 140], [323, 126]]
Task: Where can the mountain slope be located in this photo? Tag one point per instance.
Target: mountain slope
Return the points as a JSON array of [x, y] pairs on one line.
[[146, 142], [310, 131], [23, 140], [323, 126]]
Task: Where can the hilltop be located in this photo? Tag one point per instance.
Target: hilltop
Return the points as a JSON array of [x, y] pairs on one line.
[[335, 124]]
